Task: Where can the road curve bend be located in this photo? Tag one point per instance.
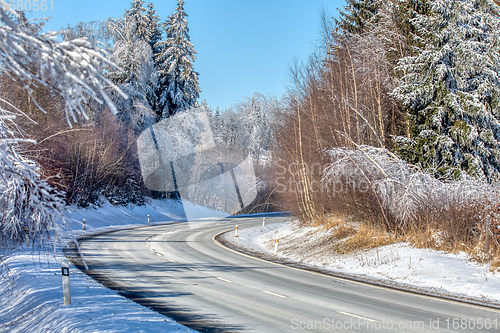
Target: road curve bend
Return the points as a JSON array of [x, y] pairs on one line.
[[182, 273]]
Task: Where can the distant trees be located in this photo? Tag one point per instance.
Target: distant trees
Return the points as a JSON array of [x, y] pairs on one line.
[[252, 123]]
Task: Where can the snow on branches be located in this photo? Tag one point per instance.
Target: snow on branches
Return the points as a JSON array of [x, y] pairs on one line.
[[408, 196], [450, 88], [136, 74], [29, 208], [73, 68], [179, 89]]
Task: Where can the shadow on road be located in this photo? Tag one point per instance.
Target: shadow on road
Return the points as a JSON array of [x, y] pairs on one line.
[[147, 298]]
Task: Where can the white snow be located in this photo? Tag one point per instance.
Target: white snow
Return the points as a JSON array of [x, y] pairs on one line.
[[396, 264], [34, 301], [112, 217]]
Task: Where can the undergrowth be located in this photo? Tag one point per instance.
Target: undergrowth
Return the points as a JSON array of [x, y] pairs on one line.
[[347, 237]]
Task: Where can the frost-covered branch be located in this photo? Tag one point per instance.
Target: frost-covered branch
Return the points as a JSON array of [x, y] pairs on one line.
[[406, 193], [30, 210], [73, 68]]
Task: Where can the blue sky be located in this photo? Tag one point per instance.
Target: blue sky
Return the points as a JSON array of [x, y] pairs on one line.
[[244, 46]]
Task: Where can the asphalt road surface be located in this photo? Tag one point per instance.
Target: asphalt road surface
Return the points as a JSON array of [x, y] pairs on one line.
[[181, 272]]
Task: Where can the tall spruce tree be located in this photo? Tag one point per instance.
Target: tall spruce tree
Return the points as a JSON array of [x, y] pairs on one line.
[[155, 36], [137, 14], [153, 27], [451, 89], [356, 14], [135, 75], [178, 82]]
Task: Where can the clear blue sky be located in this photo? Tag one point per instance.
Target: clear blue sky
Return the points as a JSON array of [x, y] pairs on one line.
[[244, 46]]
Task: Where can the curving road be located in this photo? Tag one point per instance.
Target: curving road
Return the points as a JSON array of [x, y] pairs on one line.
[[184, 274]]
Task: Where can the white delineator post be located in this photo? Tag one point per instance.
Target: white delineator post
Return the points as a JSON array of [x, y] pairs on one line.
[[27, 235], [263, 221], [148, 218], [83, 224], [236, 231], [487, 235], [65, 281], [276, 247]]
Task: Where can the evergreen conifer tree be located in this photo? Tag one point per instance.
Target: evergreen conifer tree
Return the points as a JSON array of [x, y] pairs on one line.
[[137, 14], [451, 89], [356, 14], [153, 27], [178, 82], [155, 36]]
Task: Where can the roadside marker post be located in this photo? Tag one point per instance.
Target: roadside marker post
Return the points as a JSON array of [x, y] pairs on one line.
[[487, 223], [236, 231], [276, 247], [148, 218], [65, 281], [27, 235], [83, 224], [263, 221]]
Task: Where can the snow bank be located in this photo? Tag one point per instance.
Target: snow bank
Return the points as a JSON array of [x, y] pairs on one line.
[[33, 302]]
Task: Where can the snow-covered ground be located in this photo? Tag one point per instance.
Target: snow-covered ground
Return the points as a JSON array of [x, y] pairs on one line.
[[33, 302], [397, 264]]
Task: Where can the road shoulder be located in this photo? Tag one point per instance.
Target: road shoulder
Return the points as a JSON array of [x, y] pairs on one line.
[[256, 242]]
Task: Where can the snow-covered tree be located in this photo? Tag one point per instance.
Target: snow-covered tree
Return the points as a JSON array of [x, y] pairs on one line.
[[451, 89], [356, 14], [137, 13], [136, 75], [155, 34], [29, 207], [98, 33], [154, 28], [178, 81], [251, 123]]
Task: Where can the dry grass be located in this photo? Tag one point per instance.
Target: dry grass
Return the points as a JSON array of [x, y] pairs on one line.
[[348, 237]]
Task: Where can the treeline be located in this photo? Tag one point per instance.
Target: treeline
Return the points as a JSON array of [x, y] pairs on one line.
[[399, 103], [254, 123]]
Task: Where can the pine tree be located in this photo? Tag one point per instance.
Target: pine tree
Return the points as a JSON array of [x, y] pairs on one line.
[[135, 75], [153, 27], [137, 14], [178, 82], [218, 127], [155, 34], [451, 89], [356, 14]]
